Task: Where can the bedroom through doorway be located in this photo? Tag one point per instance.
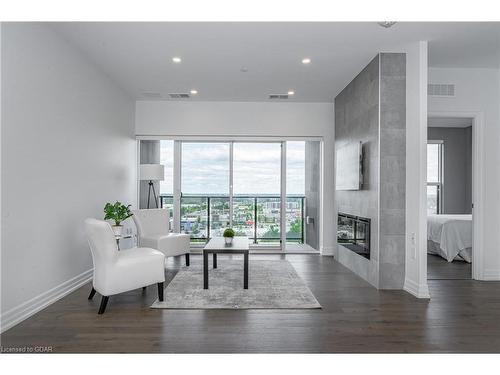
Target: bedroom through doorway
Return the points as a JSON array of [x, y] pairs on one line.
[[449, 198]]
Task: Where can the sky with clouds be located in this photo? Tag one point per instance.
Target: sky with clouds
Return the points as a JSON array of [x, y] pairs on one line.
[[205, 168]]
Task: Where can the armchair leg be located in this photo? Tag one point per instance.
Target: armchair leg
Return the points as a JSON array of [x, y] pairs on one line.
[[104, 302], [143, 288], [160, 292], [187, 260], [92, 293]]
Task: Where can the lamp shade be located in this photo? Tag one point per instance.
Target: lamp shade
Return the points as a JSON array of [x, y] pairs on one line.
[[153, 172]]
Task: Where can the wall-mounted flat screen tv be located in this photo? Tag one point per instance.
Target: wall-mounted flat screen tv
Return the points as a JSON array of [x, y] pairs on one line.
[[349, 175]]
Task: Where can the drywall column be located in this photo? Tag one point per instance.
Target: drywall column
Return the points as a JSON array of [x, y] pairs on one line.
[[149, 154], [416, 170], [312, 180]]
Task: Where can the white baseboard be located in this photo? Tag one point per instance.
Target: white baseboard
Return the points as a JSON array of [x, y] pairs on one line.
[[327, 250], [23, 311], [418, 290]]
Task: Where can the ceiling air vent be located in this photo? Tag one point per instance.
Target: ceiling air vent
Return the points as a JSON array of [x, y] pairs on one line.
[[179, 96], [435, 89], [278, 96], [152, 95]]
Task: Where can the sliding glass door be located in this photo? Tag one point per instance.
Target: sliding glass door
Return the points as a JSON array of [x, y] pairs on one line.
[[204, 196], [257, 191], [257, 188]]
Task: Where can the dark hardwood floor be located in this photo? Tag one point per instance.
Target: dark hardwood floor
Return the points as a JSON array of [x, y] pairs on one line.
[[462, 316], [439, 269]]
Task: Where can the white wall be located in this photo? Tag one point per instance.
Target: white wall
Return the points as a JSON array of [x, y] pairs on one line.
[[477, 90], [416, 170], [161, 118], [67, 148]]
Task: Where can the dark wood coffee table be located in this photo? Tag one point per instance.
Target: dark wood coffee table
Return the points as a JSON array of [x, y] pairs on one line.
[[217, 245]]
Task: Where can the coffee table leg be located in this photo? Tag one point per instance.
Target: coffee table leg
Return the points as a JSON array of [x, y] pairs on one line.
[[245, 271], [205, 270], [215, 260]]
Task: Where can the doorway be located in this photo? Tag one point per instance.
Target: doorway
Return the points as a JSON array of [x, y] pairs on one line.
[[450, 223]]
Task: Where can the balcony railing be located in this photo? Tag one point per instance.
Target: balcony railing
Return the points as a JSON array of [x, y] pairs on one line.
[[254, 216]]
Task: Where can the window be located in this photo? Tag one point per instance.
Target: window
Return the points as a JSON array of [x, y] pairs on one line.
[[205, 189], [256, 190], [434, 177], [215, 185]]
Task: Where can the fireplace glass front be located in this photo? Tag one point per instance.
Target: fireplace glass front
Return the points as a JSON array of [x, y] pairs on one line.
[[353, 232]]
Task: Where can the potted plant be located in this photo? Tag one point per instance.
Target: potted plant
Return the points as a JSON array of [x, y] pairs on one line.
[[117, 212], [228, 236]]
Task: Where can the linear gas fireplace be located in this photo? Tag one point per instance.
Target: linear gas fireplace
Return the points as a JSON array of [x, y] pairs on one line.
[[353, 232]]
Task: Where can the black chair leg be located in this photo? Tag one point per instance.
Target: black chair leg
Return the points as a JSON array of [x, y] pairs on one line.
[[104, 302], [143, 288], [160, 292], [187, 260], [92, 293]]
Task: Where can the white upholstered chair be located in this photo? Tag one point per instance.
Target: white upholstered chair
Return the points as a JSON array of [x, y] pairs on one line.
[[153, 230], [120, 271]]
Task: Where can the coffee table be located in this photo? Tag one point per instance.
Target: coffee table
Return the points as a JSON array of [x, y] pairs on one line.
[[217, 245]]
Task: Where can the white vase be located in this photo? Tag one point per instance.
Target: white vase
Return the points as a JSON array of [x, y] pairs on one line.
[[117, 230], [228, 240]]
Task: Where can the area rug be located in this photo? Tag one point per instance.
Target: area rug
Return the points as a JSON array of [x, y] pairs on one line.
[[272, 285]]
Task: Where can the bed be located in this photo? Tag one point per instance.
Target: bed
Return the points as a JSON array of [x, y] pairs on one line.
[[450, 236]]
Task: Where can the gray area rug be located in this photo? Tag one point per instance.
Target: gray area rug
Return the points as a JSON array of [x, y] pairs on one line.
[[271, 285]]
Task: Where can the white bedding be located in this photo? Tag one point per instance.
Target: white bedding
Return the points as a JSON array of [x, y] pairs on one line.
[[452, 234]]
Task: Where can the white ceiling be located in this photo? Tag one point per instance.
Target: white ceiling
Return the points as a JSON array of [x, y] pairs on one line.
[[449, 122], [138, 55]]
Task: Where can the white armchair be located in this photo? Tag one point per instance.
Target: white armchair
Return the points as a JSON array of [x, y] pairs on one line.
[[153, 231], [120, 271]]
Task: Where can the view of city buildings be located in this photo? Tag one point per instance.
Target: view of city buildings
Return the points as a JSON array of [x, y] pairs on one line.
[[257, 217]]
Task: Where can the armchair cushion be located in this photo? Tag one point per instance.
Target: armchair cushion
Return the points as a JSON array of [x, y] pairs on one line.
[[134, 268], [169, 244]]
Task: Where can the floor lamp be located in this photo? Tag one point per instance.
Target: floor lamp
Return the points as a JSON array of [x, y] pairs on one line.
[[152, 172]]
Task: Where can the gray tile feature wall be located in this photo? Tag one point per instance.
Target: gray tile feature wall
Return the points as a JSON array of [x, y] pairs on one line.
[[357, 119], [371, 109], [312, 173], [392, 170]]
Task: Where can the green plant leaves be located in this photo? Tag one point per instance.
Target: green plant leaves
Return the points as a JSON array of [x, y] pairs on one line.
[[117, 212], [228, 233]]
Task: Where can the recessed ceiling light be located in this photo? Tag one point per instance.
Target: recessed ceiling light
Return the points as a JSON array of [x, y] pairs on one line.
[[243, 69], [194, 92], [387, 24], [176, 60], [307, 60], [291, 92]]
